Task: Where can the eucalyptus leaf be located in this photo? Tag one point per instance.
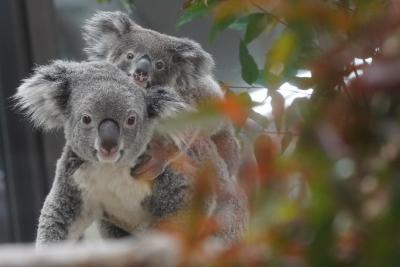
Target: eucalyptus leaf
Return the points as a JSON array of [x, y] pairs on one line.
[[281, 59], [239, 24], [219, 26], [250, 70], [257, 23], [195, 11]]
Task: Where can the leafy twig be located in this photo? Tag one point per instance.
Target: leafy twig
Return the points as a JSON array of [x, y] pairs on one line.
[[343, 6], [261, 87], [279, 20], [269, 13]]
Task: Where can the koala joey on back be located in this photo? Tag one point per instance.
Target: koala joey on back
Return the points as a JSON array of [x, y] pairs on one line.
[[108, 122], [150, 58]]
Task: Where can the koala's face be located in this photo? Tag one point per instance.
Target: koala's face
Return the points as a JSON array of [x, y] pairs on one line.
[[148, 57], [148, 61], [109, 123], [105, 117]]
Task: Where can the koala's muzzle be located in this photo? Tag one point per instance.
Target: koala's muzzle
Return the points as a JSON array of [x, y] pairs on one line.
[[109, 134], [142, 70]]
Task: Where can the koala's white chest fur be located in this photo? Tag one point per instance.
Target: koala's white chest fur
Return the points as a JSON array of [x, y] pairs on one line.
[[109, 191]]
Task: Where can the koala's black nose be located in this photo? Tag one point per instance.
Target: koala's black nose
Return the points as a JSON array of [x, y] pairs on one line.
[[109, 135], [142, 70]]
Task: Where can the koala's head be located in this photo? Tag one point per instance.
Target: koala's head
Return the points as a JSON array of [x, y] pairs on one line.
[[105, 117], [148, 57]]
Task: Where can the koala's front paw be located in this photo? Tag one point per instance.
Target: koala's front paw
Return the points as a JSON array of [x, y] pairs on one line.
[[171, 193], [154, 161]]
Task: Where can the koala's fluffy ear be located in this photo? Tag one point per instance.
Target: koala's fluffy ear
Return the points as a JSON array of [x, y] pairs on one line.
[[191, 52], [103, 31], [164, 102], [44, 96]]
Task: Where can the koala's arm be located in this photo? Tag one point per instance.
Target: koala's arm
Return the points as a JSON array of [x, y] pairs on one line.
[[61, 217], [223, 136], [170, 194], [229, 203]]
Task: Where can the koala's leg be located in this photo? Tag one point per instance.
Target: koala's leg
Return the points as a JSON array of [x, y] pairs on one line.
[[62, 215], [228, 205], [231, 213], [110, 231], [228, 148]]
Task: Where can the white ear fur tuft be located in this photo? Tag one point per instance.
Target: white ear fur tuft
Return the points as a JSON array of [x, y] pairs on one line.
[[192, 52], [43, 97], [103, 31]]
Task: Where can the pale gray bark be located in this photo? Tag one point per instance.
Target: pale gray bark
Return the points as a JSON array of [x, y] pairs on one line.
[[152, 250]]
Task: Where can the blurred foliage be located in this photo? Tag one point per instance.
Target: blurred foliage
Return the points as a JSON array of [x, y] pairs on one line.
[[328, 190]]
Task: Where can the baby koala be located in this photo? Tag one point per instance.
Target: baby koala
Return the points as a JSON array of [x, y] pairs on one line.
[[108, 122]]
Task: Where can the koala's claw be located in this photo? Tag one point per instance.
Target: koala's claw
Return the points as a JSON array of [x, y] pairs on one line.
[[148, 167], [141, 161]]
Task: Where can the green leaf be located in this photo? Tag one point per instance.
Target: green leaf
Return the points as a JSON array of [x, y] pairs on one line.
[[195, 11], [271, 81], [219, 26], [281, 59], [246, 101], [256, 25], [239, 24], [261, 78], [103, 1], [249, 67]]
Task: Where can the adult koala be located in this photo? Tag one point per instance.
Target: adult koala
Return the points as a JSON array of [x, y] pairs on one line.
[[150, 58], [108, 122]]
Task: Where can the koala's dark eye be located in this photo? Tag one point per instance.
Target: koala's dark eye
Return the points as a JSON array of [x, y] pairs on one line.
[[177, 58], [130, 121], [130, 56], [159, 65], [86, 119]]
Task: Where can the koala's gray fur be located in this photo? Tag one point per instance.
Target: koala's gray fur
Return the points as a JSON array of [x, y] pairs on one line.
[[187, 69], [88, 187]]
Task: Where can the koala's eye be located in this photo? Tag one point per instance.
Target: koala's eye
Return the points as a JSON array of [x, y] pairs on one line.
[[130, 121], [159, 65], [177, 58], [130, 56], [86, 119]]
